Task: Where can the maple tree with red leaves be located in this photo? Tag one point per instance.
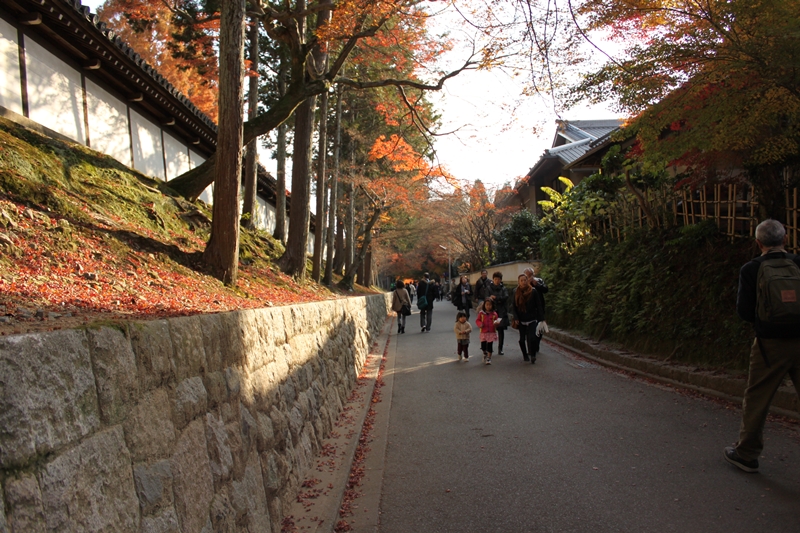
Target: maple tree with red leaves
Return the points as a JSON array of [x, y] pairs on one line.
[[149, 28]]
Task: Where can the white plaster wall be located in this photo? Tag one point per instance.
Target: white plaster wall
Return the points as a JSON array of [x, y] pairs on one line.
[[177, 155], [55, 95], [267, 215], [148, 155], [196, 160], [108, 123], [10, 82]]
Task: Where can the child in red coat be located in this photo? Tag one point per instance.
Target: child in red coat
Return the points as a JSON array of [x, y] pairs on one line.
[[487, 322]]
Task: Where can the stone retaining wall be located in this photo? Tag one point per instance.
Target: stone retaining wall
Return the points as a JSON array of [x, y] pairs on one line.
[[193, 424]]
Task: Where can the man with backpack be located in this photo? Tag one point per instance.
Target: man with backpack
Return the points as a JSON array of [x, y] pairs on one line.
[[769, 298]]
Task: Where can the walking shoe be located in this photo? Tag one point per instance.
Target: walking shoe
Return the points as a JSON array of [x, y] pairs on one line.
[[533, 360], [489, 361], [500, 352], [466, 358], [484, 357], [525, 358], [459, 357], [423, 330], [733, 458]]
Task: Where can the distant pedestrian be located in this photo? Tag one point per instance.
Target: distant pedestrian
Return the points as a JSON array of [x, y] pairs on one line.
[[769, 298], [438, 291], [481, 288], [487, 321], [425, 295], [462, 330], [401, 304], [498, 294], [461, 296], [412, 290], [527, 311]]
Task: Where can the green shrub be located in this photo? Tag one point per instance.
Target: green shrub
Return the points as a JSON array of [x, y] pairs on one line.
[[669, 293]]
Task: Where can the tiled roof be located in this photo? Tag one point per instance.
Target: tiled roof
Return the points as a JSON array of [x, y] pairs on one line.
[[567, 153], [109, 34], [574, 130]]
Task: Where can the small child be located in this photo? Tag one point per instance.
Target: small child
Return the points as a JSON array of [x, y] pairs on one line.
[[462, 329], [487, 322]]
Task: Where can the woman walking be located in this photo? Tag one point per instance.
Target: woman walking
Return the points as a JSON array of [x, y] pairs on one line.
[[462, 296], [497, 293], [527, 308], [400, 299]]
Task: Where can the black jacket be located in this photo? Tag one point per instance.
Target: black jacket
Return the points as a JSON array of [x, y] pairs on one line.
[[427, 289], [500, 298], [746, 300], [481, 291], [457, 299], [531, 310]]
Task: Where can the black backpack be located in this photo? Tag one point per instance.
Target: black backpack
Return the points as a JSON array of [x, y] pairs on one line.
[[778, 291]]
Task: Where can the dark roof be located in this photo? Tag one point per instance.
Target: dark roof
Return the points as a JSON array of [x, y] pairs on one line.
[[78, 33], [576, 130]]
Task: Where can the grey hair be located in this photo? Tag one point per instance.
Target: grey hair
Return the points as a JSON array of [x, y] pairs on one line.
[[528, 270], [770, 233]]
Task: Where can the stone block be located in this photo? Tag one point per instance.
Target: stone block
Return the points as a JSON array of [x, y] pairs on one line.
[[152, 345], [223, 514], [233, 380], [232, 336], [219, 450], [149, 430], [48, 395], [192, 483], [216, 388], [249, 498], [214, 340], [274, 470], [265, 436], [263, 388], [280, 425], [191, 401], [3, 522], [238, 452], [153, 486], [164, 522], [249, 429], [189, 355], [114, 366], [25, 510], [296, 422], [90, 487]]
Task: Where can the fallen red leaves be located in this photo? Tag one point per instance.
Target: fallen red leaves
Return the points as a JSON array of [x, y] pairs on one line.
[[53, 272]]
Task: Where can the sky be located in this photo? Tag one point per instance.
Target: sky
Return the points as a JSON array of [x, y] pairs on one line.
[[497, 138]]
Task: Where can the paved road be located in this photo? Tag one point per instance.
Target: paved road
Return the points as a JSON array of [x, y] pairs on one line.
[[565, 445]]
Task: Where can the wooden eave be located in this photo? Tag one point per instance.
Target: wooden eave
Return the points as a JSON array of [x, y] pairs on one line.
[[84, 38]]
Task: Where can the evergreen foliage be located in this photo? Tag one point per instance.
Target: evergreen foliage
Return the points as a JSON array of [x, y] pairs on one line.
[[671, 293], [519, 239]]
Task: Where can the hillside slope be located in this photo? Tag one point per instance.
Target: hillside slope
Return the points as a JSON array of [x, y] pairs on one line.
[[84, 238]]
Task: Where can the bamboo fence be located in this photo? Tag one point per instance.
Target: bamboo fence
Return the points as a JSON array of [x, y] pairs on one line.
[[734, 209]]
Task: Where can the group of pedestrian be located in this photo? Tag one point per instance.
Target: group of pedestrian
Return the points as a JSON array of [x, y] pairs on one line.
[[523, 310], [426, 292]]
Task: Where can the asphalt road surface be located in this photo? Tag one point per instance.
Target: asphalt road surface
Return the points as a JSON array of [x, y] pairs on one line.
[[566, 446]]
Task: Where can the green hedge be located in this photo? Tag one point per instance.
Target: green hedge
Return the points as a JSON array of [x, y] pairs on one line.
[[667, 293]]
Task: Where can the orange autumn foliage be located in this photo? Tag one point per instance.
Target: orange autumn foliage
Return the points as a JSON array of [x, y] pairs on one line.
[[148, 28]]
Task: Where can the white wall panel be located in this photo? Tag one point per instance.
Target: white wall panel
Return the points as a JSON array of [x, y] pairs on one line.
[[195, 160], [108, 123], [10, 84], [55, 95], [177, 155], [148, 155]]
